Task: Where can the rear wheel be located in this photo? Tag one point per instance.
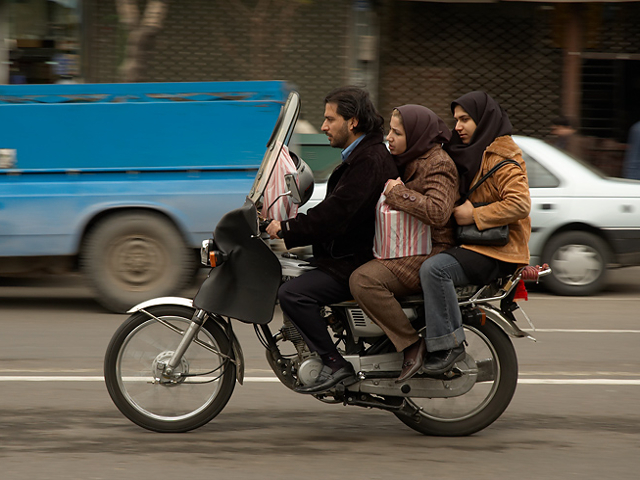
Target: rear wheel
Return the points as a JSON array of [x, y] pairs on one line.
[[197, 391], [130, 257], [496, 365]]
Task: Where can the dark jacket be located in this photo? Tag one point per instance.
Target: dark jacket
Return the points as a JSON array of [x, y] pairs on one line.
[[341, 227]]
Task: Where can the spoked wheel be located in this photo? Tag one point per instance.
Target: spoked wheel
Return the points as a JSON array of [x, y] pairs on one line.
[[490, 356], [192, 395]]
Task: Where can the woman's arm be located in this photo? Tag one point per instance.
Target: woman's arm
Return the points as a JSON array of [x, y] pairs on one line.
[[507, 195], [430, 194]]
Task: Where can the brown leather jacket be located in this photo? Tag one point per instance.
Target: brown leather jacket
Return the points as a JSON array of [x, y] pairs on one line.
[[507, 193], [429, 192]]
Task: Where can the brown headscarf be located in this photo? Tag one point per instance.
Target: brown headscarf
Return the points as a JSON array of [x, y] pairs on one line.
[[424, 129], [491, 122]]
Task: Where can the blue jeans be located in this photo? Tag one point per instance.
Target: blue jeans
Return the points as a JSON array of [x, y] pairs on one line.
[[440, 275]]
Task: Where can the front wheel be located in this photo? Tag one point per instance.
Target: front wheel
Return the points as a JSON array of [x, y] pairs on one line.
[[193, 395], [496, 366]]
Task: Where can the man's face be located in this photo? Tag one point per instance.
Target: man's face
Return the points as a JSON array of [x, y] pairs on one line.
[[337, 129]]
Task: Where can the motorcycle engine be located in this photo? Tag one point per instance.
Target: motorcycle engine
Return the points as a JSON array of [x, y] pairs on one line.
[[309, 370]]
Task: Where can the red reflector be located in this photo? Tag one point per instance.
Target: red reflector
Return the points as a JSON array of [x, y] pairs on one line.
[[521, 291], [213, 259]]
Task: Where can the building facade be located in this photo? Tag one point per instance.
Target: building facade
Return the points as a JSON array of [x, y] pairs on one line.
[[539, 59]]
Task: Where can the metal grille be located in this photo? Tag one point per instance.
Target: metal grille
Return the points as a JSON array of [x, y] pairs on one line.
[[610, 82], [433, 53], [304, 43], [612, 28]]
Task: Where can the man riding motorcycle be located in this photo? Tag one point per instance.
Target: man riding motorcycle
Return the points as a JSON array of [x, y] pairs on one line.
[[340, 228]]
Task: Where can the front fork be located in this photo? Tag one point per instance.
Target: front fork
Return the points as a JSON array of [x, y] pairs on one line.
[[197, 321]]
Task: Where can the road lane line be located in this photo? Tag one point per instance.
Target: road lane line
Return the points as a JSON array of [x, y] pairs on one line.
[[576, 330], [523, 381], [576, 381]]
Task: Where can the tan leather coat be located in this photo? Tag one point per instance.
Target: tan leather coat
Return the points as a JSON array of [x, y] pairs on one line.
[[507, 192]]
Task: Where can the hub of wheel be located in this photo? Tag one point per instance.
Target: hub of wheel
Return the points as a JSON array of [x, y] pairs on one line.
[[162, 376]]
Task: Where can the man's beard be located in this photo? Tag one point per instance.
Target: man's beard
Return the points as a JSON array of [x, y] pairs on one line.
[[340, 139]]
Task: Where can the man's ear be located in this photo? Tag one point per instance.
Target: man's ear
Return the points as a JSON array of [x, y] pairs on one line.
[[353, 123]]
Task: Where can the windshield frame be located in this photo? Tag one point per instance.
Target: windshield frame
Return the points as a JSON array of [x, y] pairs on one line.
[[281, 136]]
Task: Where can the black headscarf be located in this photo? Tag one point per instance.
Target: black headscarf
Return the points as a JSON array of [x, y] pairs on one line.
[[491, 122], [424, 130]]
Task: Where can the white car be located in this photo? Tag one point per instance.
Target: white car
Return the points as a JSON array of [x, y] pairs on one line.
[[581, 221]]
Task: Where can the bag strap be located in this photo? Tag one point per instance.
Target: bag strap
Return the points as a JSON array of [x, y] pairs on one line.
[[465, 197]]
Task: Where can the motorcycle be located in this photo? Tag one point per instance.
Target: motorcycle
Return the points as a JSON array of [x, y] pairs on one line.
[[173, 364]]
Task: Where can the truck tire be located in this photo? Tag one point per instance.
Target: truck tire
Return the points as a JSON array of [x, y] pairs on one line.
[[130, 257]]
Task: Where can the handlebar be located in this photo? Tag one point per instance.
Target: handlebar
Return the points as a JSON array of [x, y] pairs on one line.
[[263, 224]]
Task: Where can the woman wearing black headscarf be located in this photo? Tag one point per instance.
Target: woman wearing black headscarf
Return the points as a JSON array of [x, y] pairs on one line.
[[481, 140], [427, 191]]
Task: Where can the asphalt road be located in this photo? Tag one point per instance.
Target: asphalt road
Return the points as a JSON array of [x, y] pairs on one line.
[[575, 414]]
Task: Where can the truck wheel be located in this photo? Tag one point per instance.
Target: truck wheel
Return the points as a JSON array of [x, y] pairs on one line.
[[578, 262], [130, 257]]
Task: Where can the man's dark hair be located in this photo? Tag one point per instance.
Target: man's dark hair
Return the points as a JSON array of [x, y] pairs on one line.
[[355, 102]]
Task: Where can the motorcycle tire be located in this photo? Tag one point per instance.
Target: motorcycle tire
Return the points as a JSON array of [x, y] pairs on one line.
[[133, 363], [497, 365]]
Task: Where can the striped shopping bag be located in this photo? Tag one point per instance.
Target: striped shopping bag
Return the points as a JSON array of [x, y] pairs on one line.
[[281, 208], [399, 234]]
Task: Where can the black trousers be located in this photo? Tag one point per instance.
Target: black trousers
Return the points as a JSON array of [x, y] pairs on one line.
[[301, 300]]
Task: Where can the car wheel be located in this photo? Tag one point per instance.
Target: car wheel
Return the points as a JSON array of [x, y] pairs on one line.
[[578, 262]]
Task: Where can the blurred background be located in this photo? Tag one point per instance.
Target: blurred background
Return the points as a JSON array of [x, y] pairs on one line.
[[576, 64]]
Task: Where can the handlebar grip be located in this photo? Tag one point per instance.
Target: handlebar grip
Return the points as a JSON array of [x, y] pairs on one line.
[[264, 224]]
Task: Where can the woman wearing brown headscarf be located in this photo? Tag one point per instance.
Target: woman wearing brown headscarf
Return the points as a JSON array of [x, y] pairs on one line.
[[427, 191], [481, 140]]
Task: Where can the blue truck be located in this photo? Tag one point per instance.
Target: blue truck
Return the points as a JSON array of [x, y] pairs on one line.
[[123, 181]]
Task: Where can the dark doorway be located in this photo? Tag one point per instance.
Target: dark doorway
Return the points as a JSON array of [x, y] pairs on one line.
[[610, 93]]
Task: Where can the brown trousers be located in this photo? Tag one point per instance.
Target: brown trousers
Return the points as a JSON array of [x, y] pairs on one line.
[[375, 288]]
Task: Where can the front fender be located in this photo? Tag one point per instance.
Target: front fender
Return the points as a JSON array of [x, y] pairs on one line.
[[187, 302], [179, 301]]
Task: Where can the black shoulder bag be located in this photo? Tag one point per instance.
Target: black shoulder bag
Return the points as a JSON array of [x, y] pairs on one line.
[[469, 234]]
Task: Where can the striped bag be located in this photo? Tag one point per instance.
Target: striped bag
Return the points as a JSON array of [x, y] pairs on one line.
[[283, 208], [399, 234]]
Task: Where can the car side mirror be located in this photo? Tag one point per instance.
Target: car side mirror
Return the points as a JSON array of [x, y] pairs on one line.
[[292, 187]]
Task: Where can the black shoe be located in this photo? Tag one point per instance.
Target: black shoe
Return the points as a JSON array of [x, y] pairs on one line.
[[443, 360], [327, 380]]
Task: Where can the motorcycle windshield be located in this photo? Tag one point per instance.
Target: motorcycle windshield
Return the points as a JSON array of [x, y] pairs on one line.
[[280, 137]]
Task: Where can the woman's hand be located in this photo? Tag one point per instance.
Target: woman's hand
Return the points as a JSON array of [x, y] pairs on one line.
[[273, 228], [391, 184], [464, 213]]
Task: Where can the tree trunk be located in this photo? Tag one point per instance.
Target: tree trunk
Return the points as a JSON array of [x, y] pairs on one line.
[[141, 31]]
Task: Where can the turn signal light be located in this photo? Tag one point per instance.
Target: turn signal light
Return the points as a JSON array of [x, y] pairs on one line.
[[216, 258]]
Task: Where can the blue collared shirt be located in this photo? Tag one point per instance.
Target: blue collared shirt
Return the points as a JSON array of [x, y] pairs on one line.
[[347, 151]]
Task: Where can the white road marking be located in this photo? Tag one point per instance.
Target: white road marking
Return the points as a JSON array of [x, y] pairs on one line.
[[576, 381], [523, 381], [576, 330]]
